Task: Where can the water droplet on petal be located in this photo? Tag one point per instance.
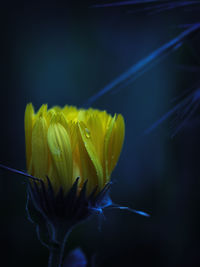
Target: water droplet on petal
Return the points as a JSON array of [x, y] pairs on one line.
[[87, 133]]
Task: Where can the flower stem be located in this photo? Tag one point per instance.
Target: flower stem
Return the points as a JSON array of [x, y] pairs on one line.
[[56, 254]]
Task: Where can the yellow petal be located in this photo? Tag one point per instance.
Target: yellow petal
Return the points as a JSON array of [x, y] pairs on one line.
[[85, 167], [61, 153], [113, 143], [107, 145], [92, 154], [40, 148], [59, 117], [42, 111], [95, 131], [69, 126], [73, 133], [57, 108], [105, 119], [50, 114], [70, 113], [28, 126]]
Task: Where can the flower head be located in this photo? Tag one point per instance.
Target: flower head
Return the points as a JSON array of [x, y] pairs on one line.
[[66, 143], [73, 153]]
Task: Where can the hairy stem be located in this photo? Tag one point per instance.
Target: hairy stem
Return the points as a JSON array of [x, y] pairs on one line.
[[56, 253]]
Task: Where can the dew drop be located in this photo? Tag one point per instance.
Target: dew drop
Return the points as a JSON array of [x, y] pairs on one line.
[[56, 151], [87, 133]]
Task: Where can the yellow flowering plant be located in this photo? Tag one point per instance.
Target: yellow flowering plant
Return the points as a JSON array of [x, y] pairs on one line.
[[70, 155], [73, 153]]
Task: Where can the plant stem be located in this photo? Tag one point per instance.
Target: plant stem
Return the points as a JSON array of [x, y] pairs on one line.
[[56, 253]]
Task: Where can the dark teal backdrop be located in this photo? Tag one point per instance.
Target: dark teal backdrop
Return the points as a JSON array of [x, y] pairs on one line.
[[65, 53]]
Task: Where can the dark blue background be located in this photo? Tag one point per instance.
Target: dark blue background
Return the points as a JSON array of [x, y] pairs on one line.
[[63, 54]]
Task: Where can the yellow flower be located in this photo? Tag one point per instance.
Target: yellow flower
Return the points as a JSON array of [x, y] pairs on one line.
[[66, 143]]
